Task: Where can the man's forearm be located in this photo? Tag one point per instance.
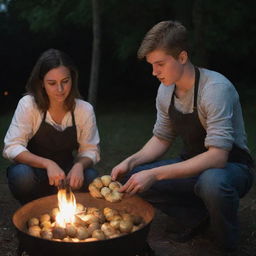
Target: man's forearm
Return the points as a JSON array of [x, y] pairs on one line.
[[151, 151], [213, 158]]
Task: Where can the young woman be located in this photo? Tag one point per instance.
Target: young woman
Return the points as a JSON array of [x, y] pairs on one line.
[[53, 135]]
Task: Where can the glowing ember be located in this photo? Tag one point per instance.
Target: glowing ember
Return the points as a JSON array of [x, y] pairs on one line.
[[67, 207]]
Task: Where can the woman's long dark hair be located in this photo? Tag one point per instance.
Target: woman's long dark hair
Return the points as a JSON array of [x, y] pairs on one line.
[[51, 59]]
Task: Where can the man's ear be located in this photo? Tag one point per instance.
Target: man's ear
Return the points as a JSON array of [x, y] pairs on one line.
[[183, 57]]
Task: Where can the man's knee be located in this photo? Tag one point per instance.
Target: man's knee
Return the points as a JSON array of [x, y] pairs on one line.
[[213, 185]]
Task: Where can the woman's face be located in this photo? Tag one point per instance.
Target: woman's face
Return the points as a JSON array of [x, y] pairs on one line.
[[57, 83]]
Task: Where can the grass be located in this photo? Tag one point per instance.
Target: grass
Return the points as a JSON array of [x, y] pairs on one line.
[[124, 128]]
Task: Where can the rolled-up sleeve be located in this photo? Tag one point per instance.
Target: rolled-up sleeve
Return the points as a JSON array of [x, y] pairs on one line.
[[163, 127], [88, 135], [218, 105], [20, 129]]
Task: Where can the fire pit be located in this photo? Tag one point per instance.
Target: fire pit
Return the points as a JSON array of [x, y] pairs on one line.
[[127, 245]]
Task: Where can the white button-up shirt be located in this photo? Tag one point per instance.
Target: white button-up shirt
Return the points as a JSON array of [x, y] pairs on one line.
[[27, 120]]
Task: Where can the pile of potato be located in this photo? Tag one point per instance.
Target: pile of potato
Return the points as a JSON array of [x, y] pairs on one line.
[[104, 187], [91, 224]]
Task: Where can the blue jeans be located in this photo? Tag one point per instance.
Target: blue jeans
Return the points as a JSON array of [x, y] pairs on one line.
[[215, 192], [27, 183]]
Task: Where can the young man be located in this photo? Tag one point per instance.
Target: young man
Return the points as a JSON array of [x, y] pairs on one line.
[[201, 106]]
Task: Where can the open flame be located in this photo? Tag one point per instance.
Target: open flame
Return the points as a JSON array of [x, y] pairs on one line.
[[67, 207]]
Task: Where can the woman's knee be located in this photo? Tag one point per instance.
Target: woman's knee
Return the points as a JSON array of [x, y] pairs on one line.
[[20, 176]]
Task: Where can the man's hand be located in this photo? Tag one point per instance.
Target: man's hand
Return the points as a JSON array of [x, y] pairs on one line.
[[139, 182], [76, 176], [55, 173], [120, 170]]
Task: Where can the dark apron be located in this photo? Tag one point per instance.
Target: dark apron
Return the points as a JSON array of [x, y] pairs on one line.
[[55, 145], [193, 134]]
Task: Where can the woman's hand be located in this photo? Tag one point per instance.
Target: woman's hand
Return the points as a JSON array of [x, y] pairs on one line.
[[55, 173], [76, 176], [139, 182]]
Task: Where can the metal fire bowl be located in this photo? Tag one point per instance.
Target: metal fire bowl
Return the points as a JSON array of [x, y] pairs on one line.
[[130, 244]]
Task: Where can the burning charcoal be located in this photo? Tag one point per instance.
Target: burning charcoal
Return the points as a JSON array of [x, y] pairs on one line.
[[33, 222], [44, 217], [46, 234], [34, 231], [82, 233], [105, 190], [93, 227], [106, 180], [59, 233], [54, 213], [97, 183], [94, 191], [98, 234], [71, 230], [108, 229], [125, 226]]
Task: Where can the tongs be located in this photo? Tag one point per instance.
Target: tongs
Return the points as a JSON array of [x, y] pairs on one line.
[[64, 184]]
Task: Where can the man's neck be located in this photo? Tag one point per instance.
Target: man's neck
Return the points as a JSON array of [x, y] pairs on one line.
[[187, 80]]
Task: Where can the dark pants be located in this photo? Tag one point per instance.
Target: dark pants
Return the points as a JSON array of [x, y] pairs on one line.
[[27, 183], [215, 192]]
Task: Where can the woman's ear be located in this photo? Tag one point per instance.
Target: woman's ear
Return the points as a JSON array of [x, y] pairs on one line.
[[183, 57]]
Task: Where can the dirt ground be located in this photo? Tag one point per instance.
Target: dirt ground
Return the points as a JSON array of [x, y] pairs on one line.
[[158, 238]]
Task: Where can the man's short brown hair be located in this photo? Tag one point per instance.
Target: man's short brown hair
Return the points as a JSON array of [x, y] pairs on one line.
[[170, 36]]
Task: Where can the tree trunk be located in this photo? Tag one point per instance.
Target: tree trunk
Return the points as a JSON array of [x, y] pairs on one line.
[[200, 53], [95, 63]]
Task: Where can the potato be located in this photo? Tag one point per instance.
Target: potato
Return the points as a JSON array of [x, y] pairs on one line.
[[34, 231], [33, 222], [114, 185], [89, 218], [54, 213], [98, 233], [59, 233], [71, 230], [45, 217], [46, 224], [105, 190], [125, 226], [82, 233], [97, 183], [115, 223], [79, 208], [93, 226], [106, 180], [46, 234], [114, 196], [94, 191], [108, 229]]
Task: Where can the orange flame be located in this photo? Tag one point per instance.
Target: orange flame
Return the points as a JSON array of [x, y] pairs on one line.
[[67, 207]]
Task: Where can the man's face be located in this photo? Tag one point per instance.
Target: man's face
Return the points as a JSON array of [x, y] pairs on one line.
[[165, 67]]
